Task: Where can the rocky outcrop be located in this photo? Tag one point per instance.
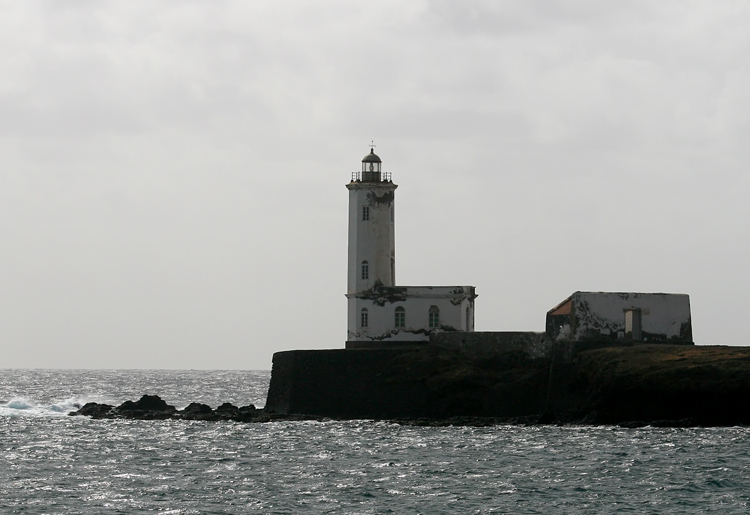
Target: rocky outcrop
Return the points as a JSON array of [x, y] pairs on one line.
[[147, 403], [152, 407], [661, 385]]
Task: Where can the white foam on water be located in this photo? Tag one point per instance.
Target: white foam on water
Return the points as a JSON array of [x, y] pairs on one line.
[[68, 405], [19, 404], [25, 407]]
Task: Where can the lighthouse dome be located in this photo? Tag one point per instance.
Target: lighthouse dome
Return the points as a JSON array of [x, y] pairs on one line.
[[372, 157]]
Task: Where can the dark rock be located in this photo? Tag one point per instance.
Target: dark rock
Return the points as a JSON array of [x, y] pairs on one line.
[[246, 413], [151, 407], [146, 403], [227, 407], [93, 409], [196, 408]]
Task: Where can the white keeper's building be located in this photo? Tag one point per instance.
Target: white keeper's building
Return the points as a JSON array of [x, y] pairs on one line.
[[380, 312]]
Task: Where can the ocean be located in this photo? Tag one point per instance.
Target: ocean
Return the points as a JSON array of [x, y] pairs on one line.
[[55, 464]]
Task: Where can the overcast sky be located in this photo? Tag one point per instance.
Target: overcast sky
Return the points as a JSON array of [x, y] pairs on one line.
[[172, 172]]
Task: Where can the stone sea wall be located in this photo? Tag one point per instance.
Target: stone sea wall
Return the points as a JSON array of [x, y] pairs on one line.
[[430, 382], [344, 384], [659, 384]]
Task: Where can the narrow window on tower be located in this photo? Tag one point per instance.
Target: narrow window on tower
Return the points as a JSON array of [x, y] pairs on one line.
[[366, 213], [363, 319], [434, 317], [400, 316], [365, 270]]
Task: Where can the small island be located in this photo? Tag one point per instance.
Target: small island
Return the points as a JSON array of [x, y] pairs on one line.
[[632, 386], [412, 354]]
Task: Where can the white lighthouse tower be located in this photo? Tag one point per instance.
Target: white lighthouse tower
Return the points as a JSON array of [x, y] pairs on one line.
[[372, 240], [379, 312]]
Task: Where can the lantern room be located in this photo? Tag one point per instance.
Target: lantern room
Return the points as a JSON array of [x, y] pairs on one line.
[[371, 167]]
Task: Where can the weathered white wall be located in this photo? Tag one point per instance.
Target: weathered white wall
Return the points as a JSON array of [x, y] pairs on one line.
[[604, 313], [372, 240], [456, 305]]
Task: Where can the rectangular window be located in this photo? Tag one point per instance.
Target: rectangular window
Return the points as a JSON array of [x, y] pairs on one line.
[[400, 318], [364, 318], [434, 319], [366, 213]]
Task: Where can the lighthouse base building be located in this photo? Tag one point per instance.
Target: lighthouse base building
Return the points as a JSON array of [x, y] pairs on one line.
[[379, 312], [409, 313]]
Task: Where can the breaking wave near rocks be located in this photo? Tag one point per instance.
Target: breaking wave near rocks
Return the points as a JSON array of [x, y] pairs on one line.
[[26, 407]]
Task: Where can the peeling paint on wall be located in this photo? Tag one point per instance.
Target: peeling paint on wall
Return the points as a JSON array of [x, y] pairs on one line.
[[380, 295], [601, 317], [384, 199]]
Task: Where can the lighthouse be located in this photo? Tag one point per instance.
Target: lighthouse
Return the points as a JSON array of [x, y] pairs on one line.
[[381, 314], [372, 239]]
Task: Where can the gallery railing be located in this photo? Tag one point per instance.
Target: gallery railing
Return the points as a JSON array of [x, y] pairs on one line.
[[371, 176]]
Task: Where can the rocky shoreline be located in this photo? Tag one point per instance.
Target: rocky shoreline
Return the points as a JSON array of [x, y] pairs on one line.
[[153, 407]]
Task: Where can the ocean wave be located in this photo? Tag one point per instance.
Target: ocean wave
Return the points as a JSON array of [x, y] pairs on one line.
[[24, 407], [19, 404]]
